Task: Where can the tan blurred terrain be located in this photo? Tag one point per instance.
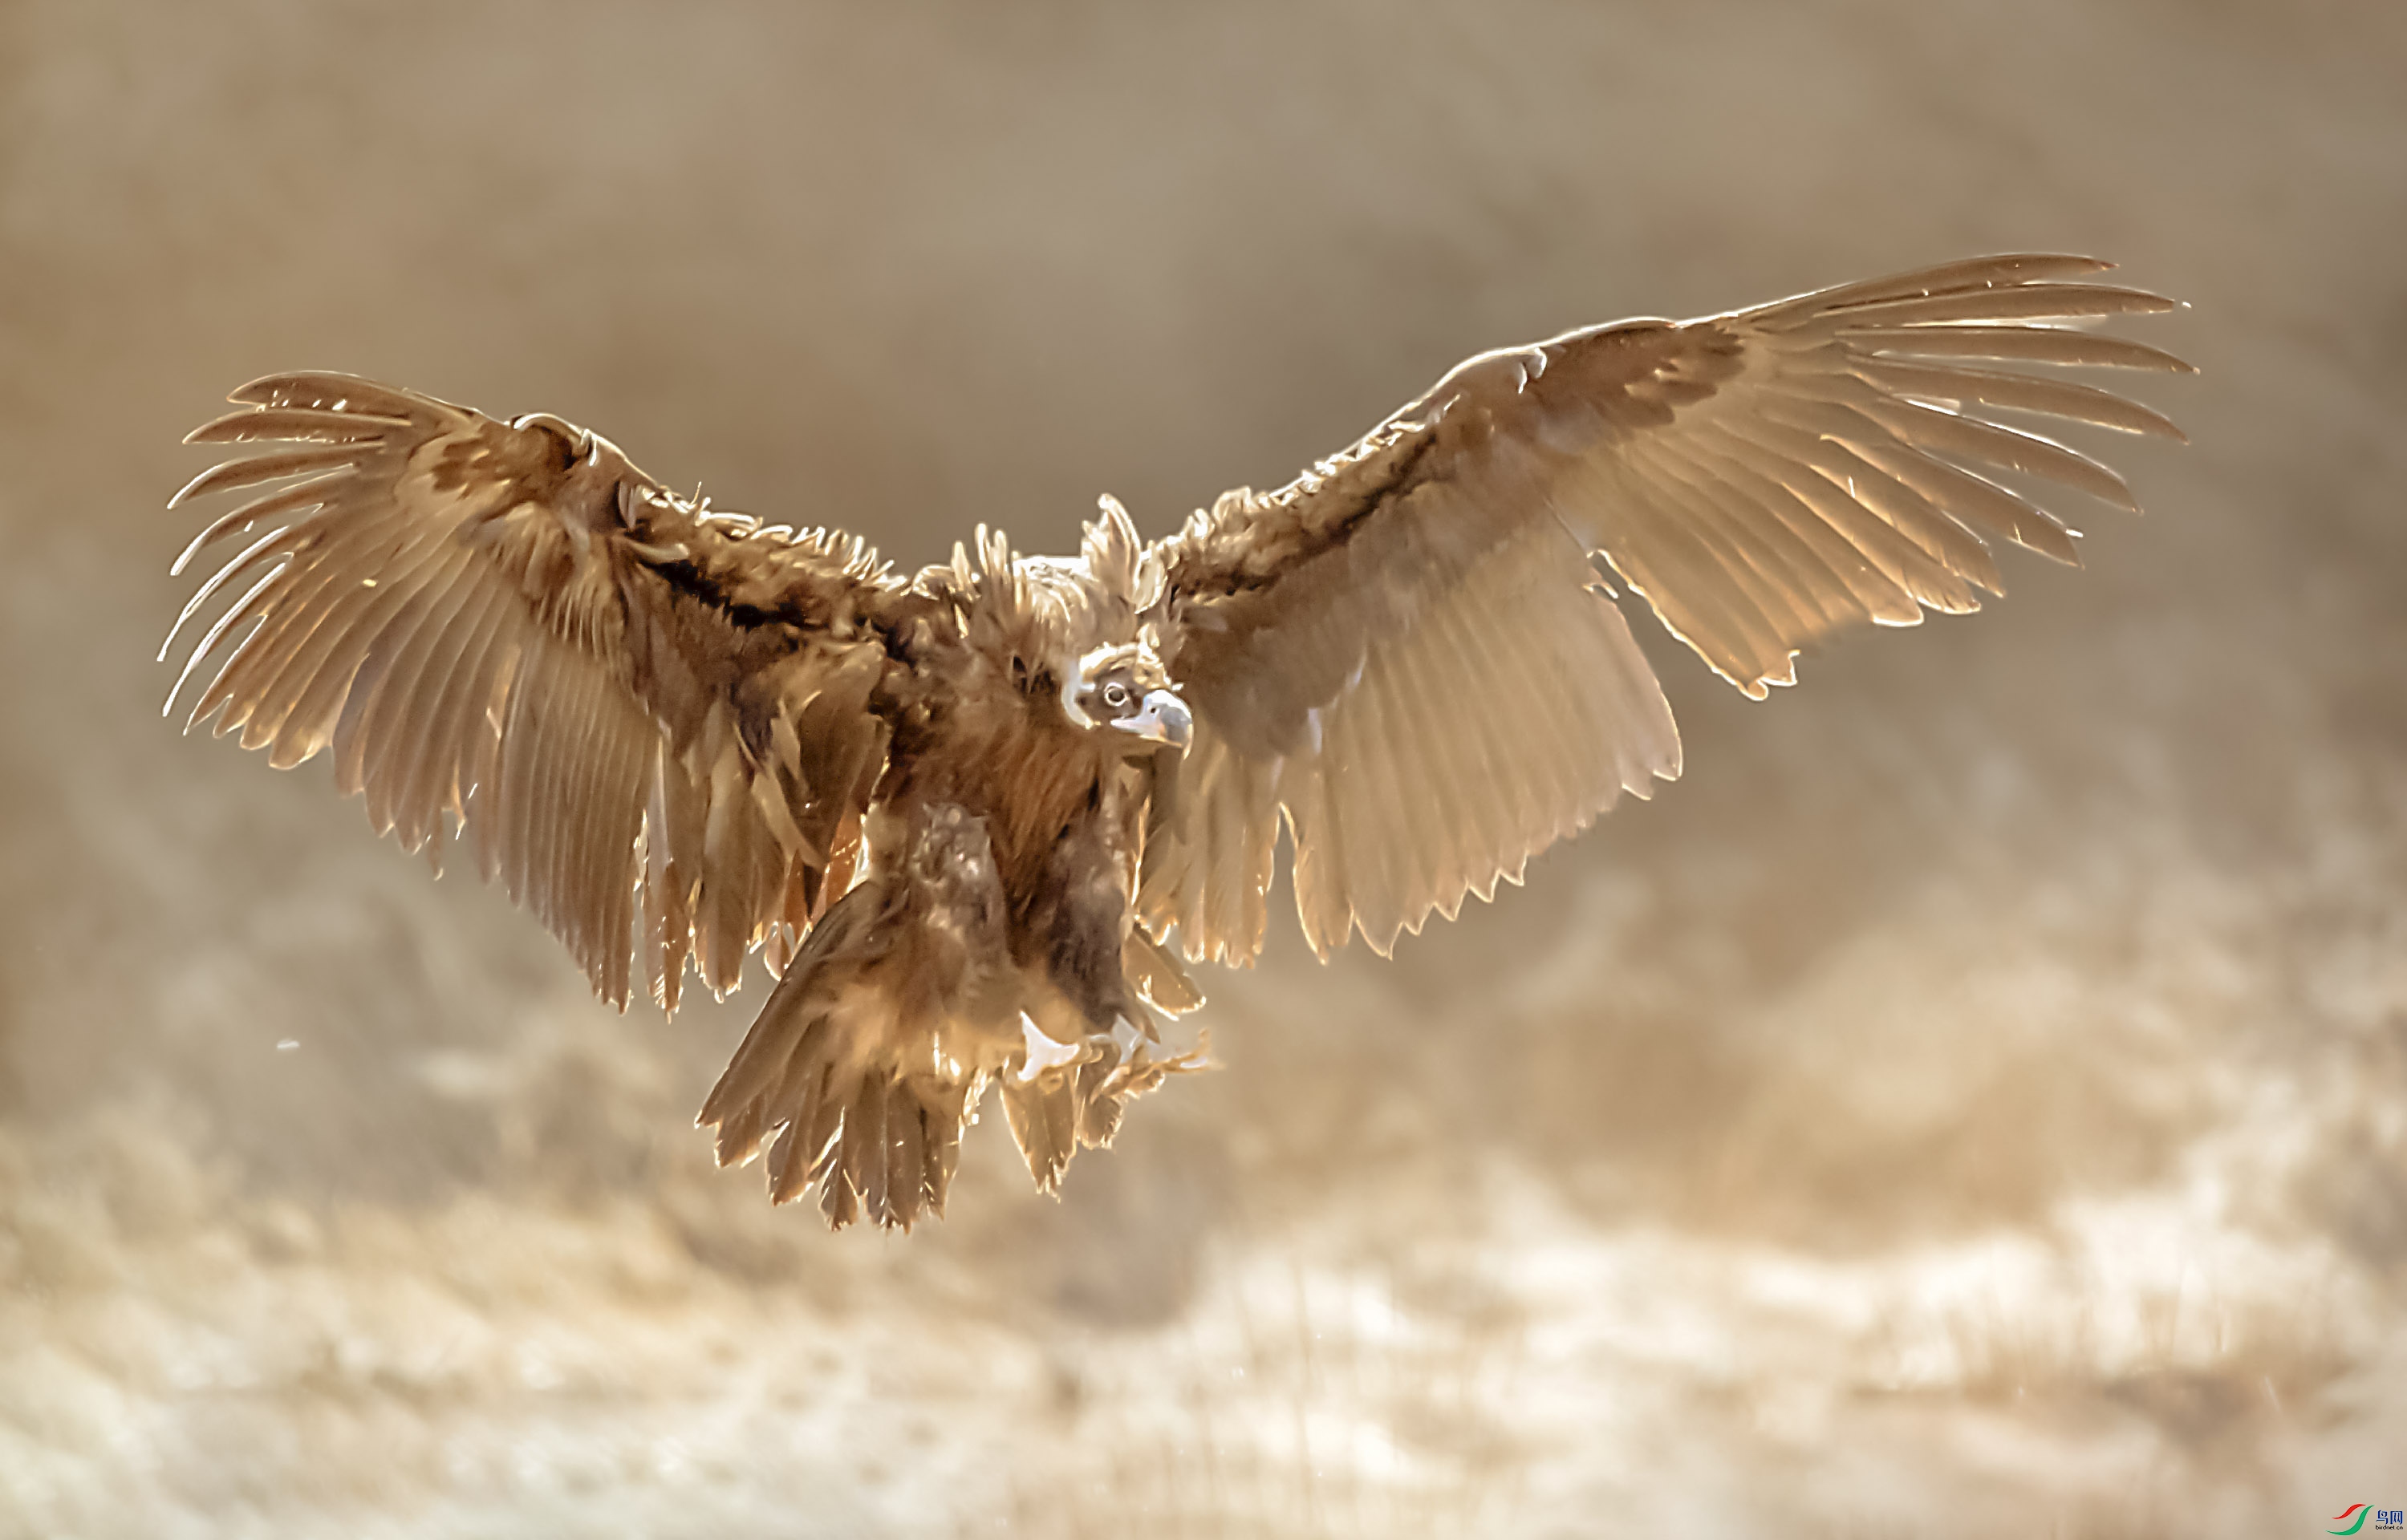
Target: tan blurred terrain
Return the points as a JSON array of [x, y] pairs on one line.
[[1973, 1101]]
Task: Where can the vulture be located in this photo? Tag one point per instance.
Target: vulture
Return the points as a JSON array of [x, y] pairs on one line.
[[980, 818]]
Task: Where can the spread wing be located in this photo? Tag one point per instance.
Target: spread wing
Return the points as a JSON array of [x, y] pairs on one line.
[[1408, 654], [649, 720]]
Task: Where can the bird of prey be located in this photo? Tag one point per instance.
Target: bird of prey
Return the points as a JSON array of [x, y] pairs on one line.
[[978, 817]]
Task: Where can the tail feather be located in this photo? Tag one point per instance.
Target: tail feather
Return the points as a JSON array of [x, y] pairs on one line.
[[858, 1080], [861, 1099]]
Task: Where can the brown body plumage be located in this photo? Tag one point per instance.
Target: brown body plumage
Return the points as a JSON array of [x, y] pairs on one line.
[[971, 816]]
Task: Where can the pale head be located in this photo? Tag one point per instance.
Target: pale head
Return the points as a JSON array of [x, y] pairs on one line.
[[1124, 688]]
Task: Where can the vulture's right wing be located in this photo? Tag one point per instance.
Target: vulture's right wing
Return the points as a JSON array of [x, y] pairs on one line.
[[650, 719], [1407, 656]]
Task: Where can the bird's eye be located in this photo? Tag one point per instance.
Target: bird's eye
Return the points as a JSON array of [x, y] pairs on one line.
[[1116, 696]]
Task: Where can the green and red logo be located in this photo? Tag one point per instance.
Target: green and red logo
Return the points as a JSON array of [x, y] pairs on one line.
[[2356, 1514]]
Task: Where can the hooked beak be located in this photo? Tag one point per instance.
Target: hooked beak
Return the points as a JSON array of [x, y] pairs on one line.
[[1164, 720]]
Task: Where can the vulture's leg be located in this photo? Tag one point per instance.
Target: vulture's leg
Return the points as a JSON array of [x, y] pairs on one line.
[[1081, 922], [1099, 1038], [866, 1062]]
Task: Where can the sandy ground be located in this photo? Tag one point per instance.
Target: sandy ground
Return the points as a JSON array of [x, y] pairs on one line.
[[1973, 1101]]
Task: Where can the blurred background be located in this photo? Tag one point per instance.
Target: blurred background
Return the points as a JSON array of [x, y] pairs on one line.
[[1975, 1097]]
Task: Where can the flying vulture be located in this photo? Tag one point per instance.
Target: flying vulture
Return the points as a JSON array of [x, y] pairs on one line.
[[978, 817]]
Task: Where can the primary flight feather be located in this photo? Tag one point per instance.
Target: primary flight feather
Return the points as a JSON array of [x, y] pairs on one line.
[[975, 817]]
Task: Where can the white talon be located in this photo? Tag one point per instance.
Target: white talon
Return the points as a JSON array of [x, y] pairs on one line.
[[1044, 1053]]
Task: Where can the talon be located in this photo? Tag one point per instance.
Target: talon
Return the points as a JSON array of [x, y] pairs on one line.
[[1042, 1053]]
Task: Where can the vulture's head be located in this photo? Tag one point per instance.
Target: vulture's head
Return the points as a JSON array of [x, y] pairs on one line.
[[1125, 689]]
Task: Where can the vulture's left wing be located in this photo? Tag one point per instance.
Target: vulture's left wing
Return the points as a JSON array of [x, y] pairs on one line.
[[651, 718], [1408, 655]]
